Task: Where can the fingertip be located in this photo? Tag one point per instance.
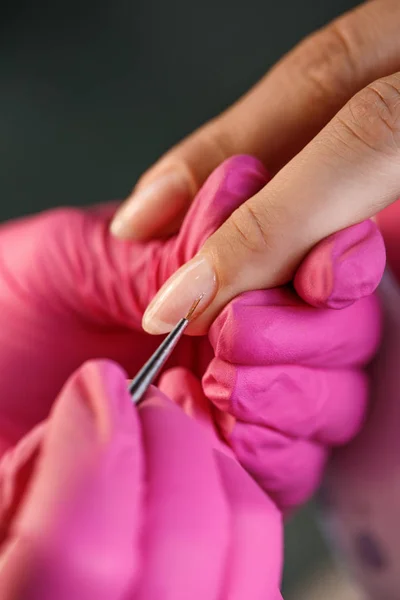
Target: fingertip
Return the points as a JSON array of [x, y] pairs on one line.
[[98, 390], [153, 204], [120, 226], [343, 268], [85, 498]]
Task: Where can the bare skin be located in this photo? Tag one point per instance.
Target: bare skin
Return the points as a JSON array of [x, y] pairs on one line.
[[325, 122]]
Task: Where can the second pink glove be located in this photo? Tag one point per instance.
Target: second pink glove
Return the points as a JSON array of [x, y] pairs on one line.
[[104, 501]]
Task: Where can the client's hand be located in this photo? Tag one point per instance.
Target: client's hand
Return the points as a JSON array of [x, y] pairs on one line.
[[104, 501]]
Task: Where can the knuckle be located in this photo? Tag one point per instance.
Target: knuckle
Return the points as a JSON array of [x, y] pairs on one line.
[[373, 115], [249, 228], [331, 60]]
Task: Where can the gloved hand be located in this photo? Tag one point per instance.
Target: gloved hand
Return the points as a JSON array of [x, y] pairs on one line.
[[361, 493], [69, 292], [286, 378], [105, 501]]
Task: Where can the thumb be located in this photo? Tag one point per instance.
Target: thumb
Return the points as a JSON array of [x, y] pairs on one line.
[[343, 268], [76, 533]]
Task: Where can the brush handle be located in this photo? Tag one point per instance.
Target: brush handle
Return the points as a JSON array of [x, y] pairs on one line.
[[147, 374]]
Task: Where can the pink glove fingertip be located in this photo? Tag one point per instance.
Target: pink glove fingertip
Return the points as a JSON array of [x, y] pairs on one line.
[[82, 509], [343, 268]]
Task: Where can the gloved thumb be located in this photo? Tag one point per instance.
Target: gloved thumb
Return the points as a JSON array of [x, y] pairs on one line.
[[343, 268], [75, 528]]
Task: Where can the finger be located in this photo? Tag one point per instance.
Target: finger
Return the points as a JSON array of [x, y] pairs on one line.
[[16, 470], [276, 118], [254, 559], [346, 266], [106, 212], [185, 390], [256, 554], [345, 175], [289, 470], [284, 418], [275, 327], [79, 526], [187, 530], [325, 405]]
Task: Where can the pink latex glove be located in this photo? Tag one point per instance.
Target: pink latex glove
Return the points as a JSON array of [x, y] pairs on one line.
[[69, 292], [361, 494], [104, 501], [286, 380]]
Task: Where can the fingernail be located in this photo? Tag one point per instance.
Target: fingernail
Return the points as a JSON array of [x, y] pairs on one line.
[[151, 203], [194, 280]]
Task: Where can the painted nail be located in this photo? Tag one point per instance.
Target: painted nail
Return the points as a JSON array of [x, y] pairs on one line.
[[194, 280], [151, 205]]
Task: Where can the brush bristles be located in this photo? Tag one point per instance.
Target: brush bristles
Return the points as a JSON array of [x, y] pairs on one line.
[[193, 308]]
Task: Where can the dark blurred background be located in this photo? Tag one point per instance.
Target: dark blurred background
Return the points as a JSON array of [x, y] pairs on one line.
[[92, 92]]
